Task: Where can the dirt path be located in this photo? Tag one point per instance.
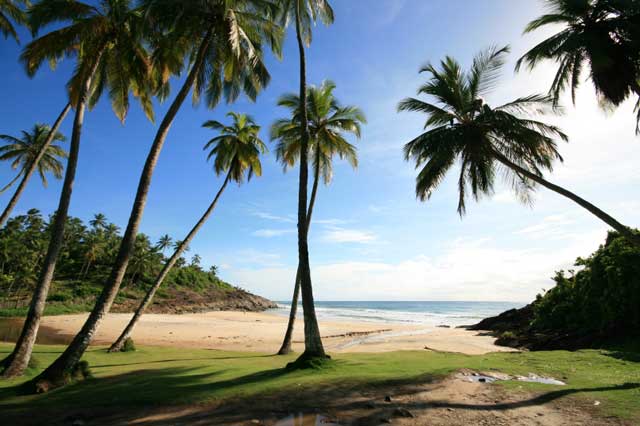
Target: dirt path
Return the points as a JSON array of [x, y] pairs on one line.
[[449, 402]]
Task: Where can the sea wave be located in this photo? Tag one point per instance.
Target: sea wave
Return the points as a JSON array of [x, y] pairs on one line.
[[427, 313]]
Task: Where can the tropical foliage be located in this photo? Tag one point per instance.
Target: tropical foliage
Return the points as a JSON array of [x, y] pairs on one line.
[[85, 260], [601, 297], [10, 10], [598, 36], [23, 151], [485, 140]]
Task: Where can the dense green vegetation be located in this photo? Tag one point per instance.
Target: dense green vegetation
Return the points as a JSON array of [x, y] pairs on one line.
[[169, 376], [85, 261], [601, 298]]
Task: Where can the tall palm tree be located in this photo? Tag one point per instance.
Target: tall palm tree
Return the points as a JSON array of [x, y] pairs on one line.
[[106, 40], [33, 165], [223, 40], [305, 13], [327, 122], [236, 152], [485, 139], [602, 35], [33, 151], [11, 10]]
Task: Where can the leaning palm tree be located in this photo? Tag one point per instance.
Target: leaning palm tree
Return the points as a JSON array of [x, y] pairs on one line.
[[236, 152], [33, 151], [11, 10], [327, 122], [305, 13], [106, 40], [486, 140], [223, 40], [602, 35]]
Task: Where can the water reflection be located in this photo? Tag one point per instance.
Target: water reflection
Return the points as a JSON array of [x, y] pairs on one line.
[[10, 329]]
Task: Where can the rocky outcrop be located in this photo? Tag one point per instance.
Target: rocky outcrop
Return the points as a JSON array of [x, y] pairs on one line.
[[511, 320], [183, 301]]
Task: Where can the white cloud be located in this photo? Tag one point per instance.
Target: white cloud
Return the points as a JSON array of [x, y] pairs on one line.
[[273, 217], [465, 270], [343, 235], [270, 233]]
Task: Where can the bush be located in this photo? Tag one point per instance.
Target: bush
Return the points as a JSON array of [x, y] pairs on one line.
[[601, 298], [128, 345]]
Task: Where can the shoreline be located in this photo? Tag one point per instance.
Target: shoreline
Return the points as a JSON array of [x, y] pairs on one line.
[[263, 332]]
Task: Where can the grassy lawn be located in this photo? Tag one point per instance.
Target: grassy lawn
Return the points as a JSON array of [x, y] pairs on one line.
[[167, 376]]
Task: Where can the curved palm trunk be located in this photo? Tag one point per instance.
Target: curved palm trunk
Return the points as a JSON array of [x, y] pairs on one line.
[[14, 180], [19, 359], [126, 333], [33, 166], [312, 340], [288, 336], [622, 229], [635, 86], [57, 373]]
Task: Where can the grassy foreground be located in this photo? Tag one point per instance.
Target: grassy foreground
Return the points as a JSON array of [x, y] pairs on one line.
[[154, 376]]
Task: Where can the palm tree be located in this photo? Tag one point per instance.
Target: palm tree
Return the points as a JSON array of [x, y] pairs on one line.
[[99, 222], [223, 40], [327, 121], [305, 13], [32, 152], [485, 139], [10, 10], [236, 152], [106, 40], [164, 243], [602, 35]]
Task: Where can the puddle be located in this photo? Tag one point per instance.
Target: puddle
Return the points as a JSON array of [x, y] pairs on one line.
[[494, 377], [307, 420], [10, 329]]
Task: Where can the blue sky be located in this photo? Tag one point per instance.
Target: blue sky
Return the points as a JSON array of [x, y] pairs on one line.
[[371, 239]]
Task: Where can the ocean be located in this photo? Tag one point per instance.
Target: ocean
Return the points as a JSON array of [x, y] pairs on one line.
[[418, 313]]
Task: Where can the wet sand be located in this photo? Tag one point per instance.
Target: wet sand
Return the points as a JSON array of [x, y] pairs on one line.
[[263, 332]]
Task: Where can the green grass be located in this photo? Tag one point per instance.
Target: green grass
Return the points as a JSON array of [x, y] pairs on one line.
[[166, 376], [50, 309]]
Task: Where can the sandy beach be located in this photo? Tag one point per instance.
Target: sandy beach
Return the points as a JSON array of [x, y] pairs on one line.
[[262, 332]]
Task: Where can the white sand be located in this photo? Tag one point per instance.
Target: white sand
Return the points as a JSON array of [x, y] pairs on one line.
[[263, 332]]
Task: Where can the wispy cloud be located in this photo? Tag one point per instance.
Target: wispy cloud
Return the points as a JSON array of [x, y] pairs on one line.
[[344, 235], [273, 217], [270, 233]]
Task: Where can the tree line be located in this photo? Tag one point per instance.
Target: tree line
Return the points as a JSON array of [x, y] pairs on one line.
[[125, 47], [85, 259]]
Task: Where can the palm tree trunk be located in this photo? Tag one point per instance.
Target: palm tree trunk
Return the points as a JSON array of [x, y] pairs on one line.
[[33, 166], [18, 360], [288, 336], [635, 86], [622, 229], [312, 340], [126, 333], [14, 180], [57, 373]]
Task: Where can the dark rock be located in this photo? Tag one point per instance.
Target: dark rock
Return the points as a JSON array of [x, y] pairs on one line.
[[370, 405], [402, 412], [387, 398], [511, 320]]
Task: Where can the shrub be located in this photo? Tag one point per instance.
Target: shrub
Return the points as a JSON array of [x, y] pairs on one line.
[[601, 298]]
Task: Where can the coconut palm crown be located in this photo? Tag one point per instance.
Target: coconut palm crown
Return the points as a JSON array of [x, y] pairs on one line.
[[110, 32], [237, 149], [23, 151], [461, 126], [328, 120], [10, 10], [602, 35]]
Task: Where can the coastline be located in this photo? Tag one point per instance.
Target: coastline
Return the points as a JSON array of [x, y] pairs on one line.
[[263, 331]]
